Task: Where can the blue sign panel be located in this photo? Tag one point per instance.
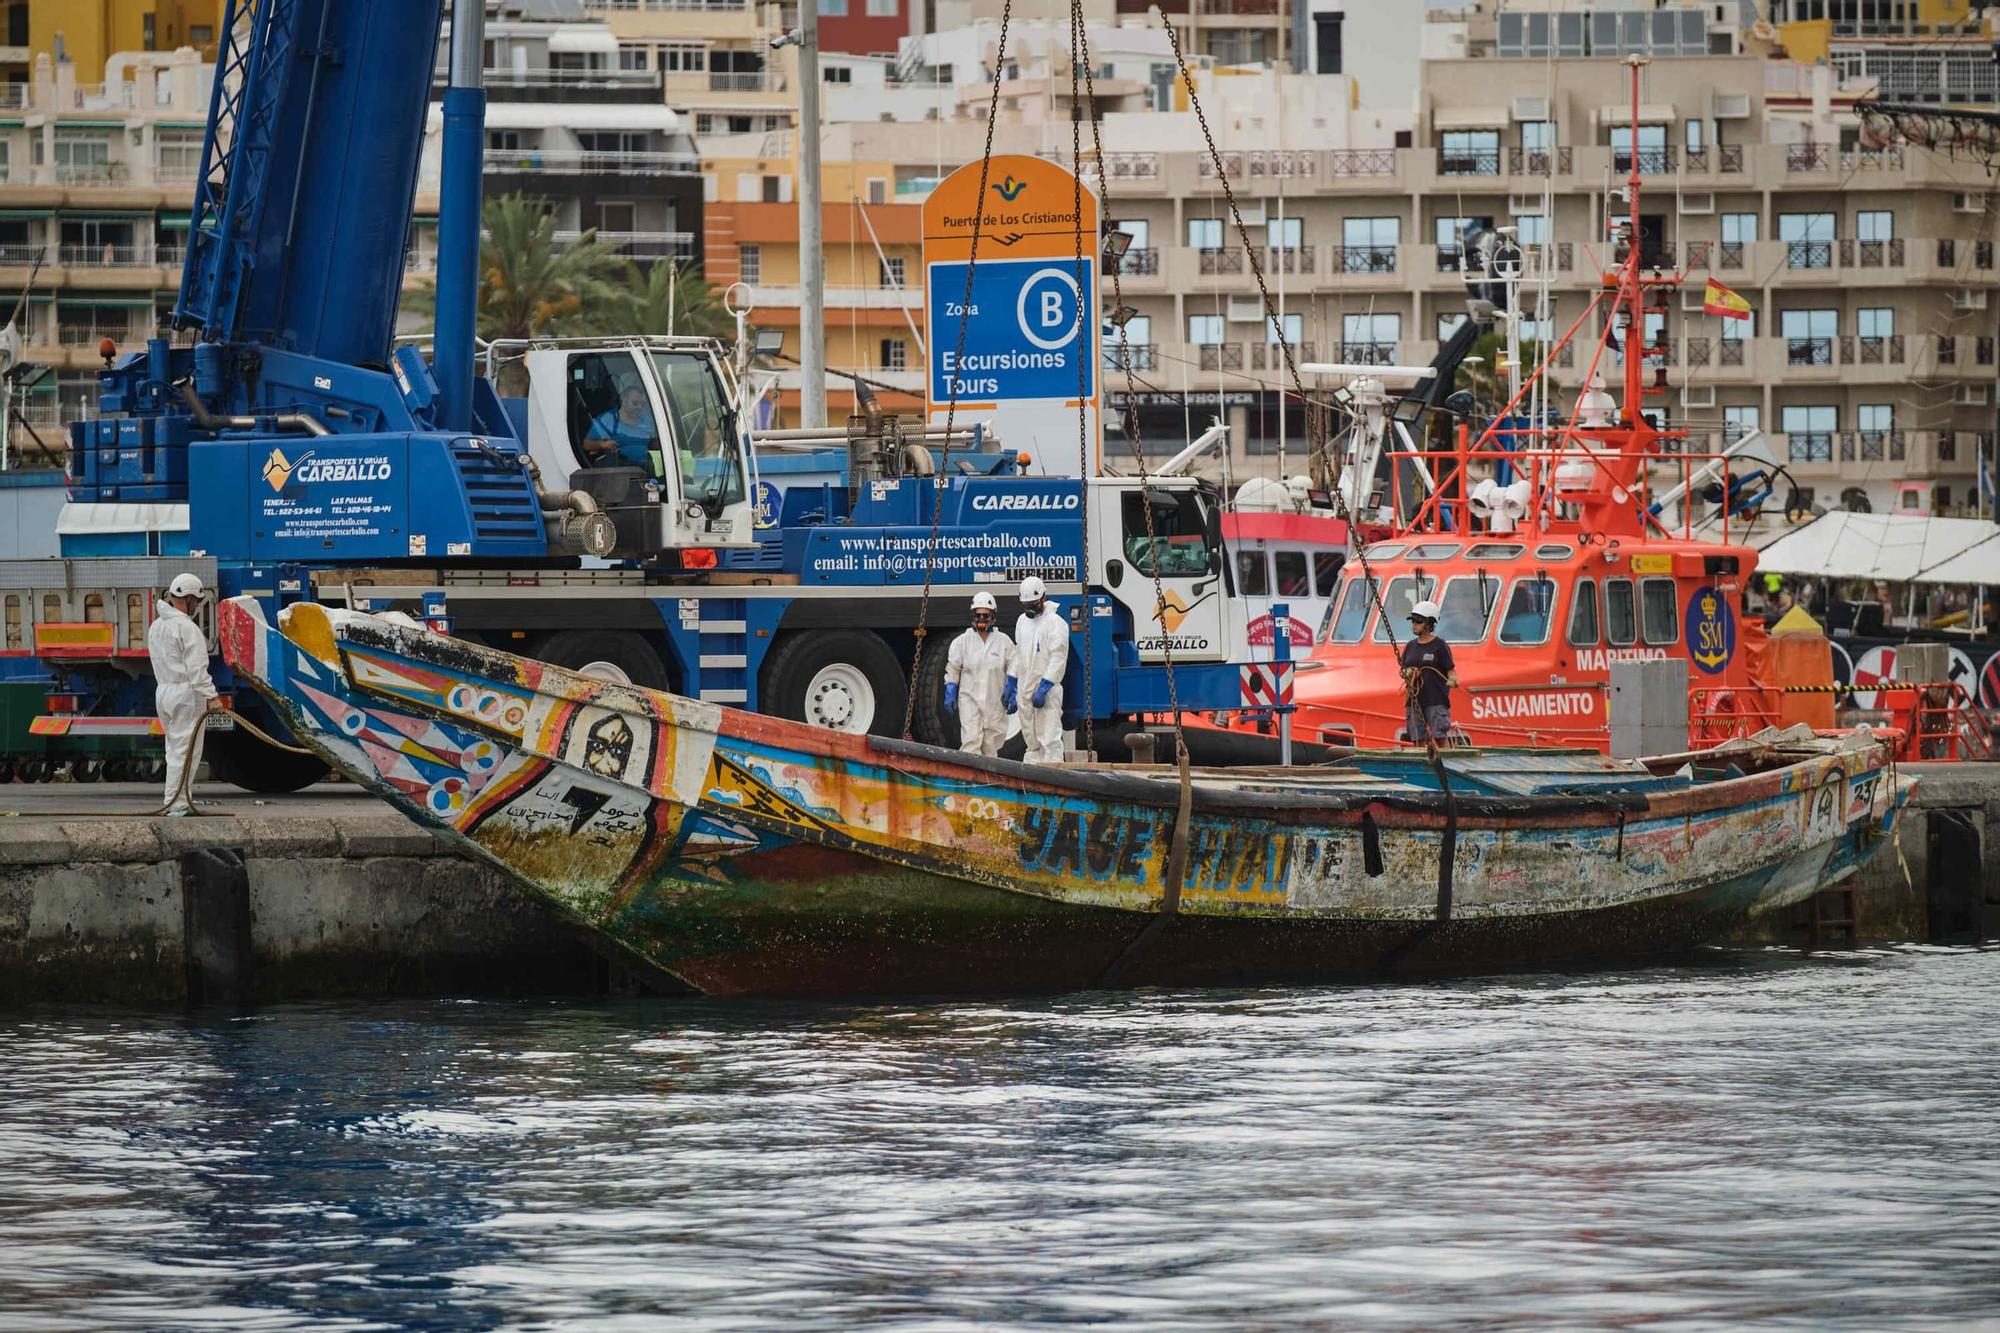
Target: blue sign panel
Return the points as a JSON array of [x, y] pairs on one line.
[[1022, 335], [1711, 630]]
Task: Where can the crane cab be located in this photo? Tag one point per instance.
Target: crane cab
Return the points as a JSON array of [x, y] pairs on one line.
[[650, 429]]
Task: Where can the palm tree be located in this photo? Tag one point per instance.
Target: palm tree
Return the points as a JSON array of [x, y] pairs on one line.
[[674, 298], [531, 285]]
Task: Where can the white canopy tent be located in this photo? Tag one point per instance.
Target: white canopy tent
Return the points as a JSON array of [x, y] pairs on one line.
[[1976, 564], [1897, 548]]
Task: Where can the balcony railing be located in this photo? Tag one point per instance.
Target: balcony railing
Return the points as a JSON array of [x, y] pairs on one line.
[[89, 335], [1729, 254], [1729, 351], [1292, 260], [1729, 157], [1808, 157], [1947, 351], [745, 81], [1539, 161], [674, 6], [91, 173], [1221, 261], [1367, 354], [1361, 259], [22, 256], [1221, 356], [1236, 6], [1809, 254], [1361, 162], [1284, 162], [1873, 446], [1872, 254], [104, 256], [635, 244], [1872, 159], [1123, 166], [1130, 356], [1809, 351], [1468, 161], [1652, 161], [1982, 254], [1699, 252], [1142, 263], [1809, 446], [1982, 352], [1873, 351], [1268, 356], [571, 161], [542, 76]]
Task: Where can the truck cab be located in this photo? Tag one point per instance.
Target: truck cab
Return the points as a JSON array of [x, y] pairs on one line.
[[1165, 569], [650, 428]]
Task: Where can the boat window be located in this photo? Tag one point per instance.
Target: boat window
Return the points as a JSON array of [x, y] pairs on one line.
[[1356, 601], [1530, 610], [1621, 620], [1430, 551], [1403, 592], [1583, 615], [1252, 576], [1384, 550], [1494, 551], [1553, 551], [1326, 572], [1658, 611], [1180, 532], [1465, 612], [1292, 580]]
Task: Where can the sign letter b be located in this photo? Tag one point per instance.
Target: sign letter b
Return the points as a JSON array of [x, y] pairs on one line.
[[1051, 309]]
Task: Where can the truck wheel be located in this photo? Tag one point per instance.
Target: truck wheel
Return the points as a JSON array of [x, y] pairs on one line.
[[616, 655], [240, 759], [34, 770], [936, 725], [86, 770], [843, 680]]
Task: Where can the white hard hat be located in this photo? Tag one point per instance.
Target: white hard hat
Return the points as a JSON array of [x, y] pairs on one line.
[[185, 585], [1032, 589], [983, 601], [1424, 610]]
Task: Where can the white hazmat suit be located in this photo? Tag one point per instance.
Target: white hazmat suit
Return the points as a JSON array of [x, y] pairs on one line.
[[1041, 644], [182, 687], [979, 666]]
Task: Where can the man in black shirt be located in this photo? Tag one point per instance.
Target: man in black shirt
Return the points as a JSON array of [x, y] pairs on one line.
[[1427, 665]]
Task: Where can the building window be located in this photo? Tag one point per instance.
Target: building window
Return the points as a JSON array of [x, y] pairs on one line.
[[833, 9], [1876, 321], [1284, 233], [895, 354], [1370, 339], [1469, 153], [1697, 136], [1652, 148], [1875, 225], [1809, 336], [1809, 432], [878, 190], [750, 264], [1532, 228], [1204, 330], [1204, 233], [1457, 240], [1875, 418], [881, 9], [774, 189], [505, 141], [179, 154], [1739, 421], [1372, 233], [837, 74], [1449, 324], [1136, 228], [635, 58], [892, 271], [1739, 228], [704, 122], [1295, 330], [737, 124], [1808, 239], [683, 57], [1537, 136], [1327, 54]]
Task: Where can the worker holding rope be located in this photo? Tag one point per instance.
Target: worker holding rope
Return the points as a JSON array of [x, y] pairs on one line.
[[185, 693], [1429, 675]]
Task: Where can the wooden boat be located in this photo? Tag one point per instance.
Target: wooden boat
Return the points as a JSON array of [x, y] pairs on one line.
[[749, 855]]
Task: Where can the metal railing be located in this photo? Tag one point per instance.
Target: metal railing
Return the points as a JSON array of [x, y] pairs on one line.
[[1123, 166], [1872, 254], [1809, 351], [1361, 162], [91, 173], [1652, 161], [1267, 356], [592, 164], [1808, 254], [1539, 161], [635, 244], [1295, 259], [1221, 356], [542, 76], [104, 256], [1280, 162], [1361, 259], [1872, 351], [1130, 356], [1141, 263], [23, 256], [672, 6], [1367, 354], [1808, 157], [89, 335], [745, 81], [1809, 447], [1873, 446], [1729, 157], [1872, 159], [1468, 161], [1729, 351], [1729, 254], [1221, 261]]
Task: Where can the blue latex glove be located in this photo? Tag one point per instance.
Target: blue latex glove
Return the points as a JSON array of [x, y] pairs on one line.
[[1010, 694], [950, 697], [1042, 693]]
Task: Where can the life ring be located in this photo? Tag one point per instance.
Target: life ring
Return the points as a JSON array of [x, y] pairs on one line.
[[1722, 719]]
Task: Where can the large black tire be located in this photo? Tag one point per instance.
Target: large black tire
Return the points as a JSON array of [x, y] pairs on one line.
[[605, 654], [240, 759], [936, 725], [840, 679]]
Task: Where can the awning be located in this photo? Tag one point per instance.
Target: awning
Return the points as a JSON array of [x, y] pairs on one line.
[[114, 214], [1896, 547], [69, 299], [579, 39], [18, 213], [585, 116], [176, 221], [1469, 118], [1650, 113]]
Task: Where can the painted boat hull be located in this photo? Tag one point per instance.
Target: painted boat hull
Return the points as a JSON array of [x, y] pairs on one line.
[[749, 856]]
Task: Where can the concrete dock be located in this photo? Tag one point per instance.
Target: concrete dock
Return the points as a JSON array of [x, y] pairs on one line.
[[328, 893]]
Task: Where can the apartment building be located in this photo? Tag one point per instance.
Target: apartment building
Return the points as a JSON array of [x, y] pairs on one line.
[[98, 186], [569, 123], [713, 58], [1923, 51], [86, 33]]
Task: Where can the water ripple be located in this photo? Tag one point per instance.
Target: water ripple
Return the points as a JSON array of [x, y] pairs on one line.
[[1754, 1141]]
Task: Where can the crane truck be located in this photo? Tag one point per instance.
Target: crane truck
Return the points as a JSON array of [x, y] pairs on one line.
[[281, 443]]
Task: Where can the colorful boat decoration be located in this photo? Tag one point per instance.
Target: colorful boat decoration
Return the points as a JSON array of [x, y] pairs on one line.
[[749, 855]]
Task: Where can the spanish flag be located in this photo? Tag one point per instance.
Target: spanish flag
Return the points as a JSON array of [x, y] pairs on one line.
[[1719, 300]]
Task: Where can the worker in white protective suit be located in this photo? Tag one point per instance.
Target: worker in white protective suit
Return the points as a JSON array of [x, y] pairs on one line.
[[1041, 646], [979, 680], [183, 695]]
